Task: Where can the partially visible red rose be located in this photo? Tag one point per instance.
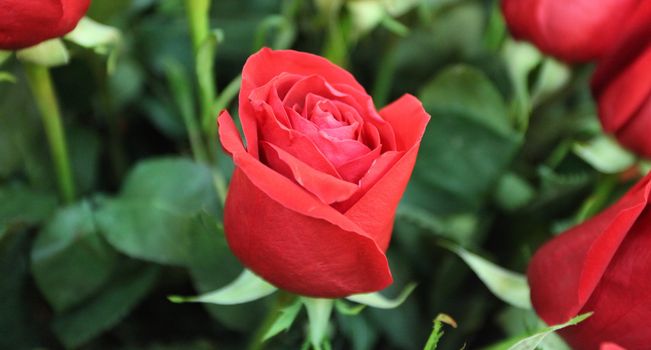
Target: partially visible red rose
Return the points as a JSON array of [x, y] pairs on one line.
[[622, 85], [312, 201], [571, 30], [601, 266], [25, 23]]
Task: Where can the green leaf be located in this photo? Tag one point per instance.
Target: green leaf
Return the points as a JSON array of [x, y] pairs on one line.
[[346, 309], [469, 142], [604, 154], [553, 76], [19, 329], [151, 230], [437, 330], [285, 319], [318, 314], [130, 284], [379, 301], [467, 91], [513, 192], [532, 342], [20, 205], [510, 287], [94, 35], [158, 213], [178, 182], [214, 256], [246, 288], [70, 260], [4, 56], [50, 53], [7, 77]]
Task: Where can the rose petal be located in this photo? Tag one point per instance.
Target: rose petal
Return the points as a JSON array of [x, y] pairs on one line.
[[622, 300], [299, 253], [616, 83], [356, 168], [281, 242], [27, 23], [635, 134], [327, 188], [582, 255], [568, 30], [277, 186], [375, 210], [296, 143], [408, 120]]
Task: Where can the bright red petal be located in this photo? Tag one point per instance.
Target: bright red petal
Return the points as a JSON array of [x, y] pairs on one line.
[[327, 188], [27, 23], [290, 237]]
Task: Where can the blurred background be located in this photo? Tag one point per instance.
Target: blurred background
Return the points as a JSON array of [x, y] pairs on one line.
[[513, 154]]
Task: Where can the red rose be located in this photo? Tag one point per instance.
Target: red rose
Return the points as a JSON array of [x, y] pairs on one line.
[[622, 85], [312, 201], [25, 23], [572, 30], [603, 266]]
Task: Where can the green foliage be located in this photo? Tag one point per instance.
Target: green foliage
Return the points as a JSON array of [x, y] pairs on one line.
[[470, 142], [513, 155], [511, 287], [437, 331], [70, 260], [157, 215], [129, 285]]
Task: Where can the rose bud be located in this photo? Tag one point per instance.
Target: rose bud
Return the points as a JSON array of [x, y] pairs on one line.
[[25, 23], [602, 266], [312, 200], [622, 85], [571, 30]]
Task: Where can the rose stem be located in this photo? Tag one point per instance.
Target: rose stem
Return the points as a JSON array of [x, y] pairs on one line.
[[282, 300], [40, 82], [198, 15], [198, 12], [598, 199]]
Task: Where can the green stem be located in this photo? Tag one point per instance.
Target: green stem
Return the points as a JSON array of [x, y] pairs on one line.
[[598, 199], [40, 82], [198, 20], [384, 77], [282, 300]]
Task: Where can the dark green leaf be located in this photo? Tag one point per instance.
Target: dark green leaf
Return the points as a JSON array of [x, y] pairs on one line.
[[129, 285], [70, 260]]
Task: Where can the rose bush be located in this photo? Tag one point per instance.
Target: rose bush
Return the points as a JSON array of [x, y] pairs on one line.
[[312, 200], [622, 87], [575, 30], [601, 266], [27, 23]]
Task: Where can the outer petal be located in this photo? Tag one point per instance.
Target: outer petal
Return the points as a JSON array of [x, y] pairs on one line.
[[592, 267], [622, 301], [568, 30], [408, 119], [619, 88], [635, 134], [264, 65], [295, 241], [520, 15], [582, 254], [375, 210], [25, 23]]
